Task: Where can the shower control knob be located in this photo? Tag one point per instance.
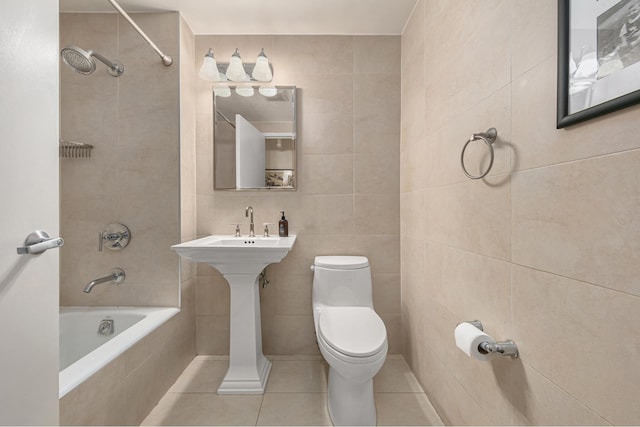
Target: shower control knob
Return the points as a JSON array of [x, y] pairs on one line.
[[114, 237]]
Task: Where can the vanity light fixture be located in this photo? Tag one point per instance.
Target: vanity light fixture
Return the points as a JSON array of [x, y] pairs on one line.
[[236, 70], [262, 71], [209, 70]]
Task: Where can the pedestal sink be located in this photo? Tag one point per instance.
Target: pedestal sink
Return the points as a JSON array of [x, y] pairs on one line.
[[241, 260]]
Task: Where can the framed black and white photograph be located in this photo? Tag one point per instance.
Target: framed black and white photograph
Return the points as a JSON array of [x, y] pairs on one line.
[[598, 58]]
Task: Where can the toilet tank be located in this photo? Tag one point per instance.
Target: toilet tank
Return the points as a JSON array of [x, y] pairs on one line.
[[342, 281]]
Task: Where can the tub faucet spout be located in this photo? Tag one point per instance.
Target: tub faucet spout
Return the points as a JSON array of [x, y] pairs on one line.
[[117, 276]]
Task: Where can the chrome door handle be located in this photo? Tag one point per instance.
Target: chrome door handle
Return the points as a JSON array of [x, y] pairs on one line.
[[39, 241]]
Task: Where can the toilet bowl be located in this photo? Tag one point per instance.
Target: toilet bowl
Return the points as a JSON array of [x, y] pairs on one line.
[[351, 336]]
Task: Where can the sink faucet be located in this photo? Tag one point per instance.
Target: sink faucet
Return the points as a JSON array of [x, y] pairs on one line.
[[248, 210], [117, 276]]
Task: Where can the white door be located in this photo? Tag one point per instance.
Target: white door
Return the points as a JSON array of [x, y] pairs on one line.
[[250, 151], [29, 110]]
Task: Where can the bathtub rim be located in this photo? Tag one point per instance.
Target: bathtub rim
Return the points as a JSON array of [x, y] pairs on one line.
[[79, 371]]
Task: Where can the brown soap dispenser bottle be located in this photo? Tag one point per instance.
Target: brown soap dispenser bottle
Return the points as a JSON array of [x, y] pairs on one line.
[[283, 226]]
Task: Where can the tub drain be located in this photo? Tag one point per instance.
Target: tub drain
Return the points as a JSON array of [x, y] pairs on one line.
[[106, 327]]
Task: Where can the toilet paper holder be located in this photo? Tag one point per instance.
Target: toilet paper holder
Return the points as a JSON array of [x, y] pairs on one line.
[[500, 348]]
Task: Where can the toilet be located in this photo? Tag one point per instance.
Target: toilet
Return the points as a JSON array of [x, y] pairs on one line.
[[351, 336]]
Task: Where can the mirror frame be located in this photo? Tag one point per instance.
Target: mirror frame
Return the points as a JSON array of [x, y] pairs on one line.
[[272, 136]]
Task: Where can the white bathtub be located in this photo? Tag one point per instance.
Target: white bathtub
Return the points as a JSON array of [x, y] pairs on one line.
[[83, 351]]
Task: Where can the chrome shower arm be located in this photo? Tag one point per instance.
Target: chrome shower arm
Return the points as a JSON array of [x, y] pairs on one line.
[[166, 59], [101, 58], [113, 65]]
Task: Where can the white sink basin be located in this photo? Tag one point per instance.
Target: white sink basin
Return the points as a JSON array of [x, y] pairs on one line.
[[236, 255], [240, 260], [246, 241]]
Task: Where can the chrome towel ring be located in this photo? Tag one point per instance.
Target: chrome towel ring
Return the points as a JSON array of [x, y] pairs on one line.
[[488, 137]]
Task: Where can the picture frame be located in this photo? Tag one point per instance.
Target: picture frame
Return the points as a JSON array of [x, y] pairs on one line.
[[280, 178], [598, 58]]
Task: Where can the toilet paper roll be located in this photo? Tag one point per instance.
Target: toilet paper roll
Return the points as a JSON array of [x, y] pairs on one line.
[[468, 338]]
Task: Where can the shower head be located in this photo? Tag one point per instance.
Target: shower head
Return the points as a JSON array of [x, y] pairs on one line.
[[81, 61]]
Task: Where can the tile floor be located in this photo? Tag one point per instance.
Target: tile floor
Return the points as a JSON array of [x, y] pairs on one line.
[[296, 395]]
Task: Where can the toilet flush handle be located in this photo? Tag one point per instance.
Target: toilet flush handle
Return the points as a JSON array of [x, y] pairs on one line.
[[313, 268]]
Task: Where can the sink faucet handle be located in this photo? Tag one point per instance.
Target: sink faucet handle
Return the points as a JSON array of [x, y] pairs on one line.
[[266, 228], [237, 229]]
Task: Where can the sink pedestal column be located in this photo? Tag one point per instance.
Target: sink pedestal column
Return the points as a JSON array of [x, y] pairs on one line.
[[241, 260], [248, 368]]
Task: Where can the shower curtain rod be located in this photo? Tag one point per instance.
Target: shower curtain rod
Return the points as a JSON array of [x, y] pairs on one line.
[[166, 59]]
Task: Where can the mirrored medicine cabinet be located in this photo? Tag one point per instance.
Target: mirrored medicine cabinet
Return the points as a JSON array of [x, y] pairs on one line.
[[254, 138]]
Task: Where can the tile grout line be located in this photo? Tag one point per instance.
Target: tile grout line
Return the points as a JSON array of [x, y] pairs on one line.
[[260, 410], [313, 395]]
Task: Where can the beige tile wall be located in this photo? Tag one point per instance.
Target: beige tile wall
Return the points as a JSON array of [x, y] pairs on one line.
[[141, 173], [188, 193], [543, 251], [133, 175], [347, 201], [185, 323]]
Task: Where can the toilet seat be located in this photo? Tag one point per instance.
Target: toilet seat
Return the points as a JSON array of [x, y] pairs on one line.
[[354, 332]]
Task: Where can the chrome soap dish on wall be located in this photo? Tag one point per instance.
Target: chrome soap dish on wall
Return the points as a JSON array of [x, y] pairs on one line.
[[488, 137], [74, 150]]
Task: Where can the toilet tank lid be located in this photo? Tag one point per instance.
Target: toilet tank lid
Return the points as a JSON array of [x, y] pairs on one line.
[[341, 262]]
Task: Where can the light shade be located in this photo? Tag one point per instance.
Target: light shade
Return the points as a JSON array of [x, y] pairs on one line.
[[268, 91], [223, 91], [209, 70], [236, 72], [262, 71], [245, 91]]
